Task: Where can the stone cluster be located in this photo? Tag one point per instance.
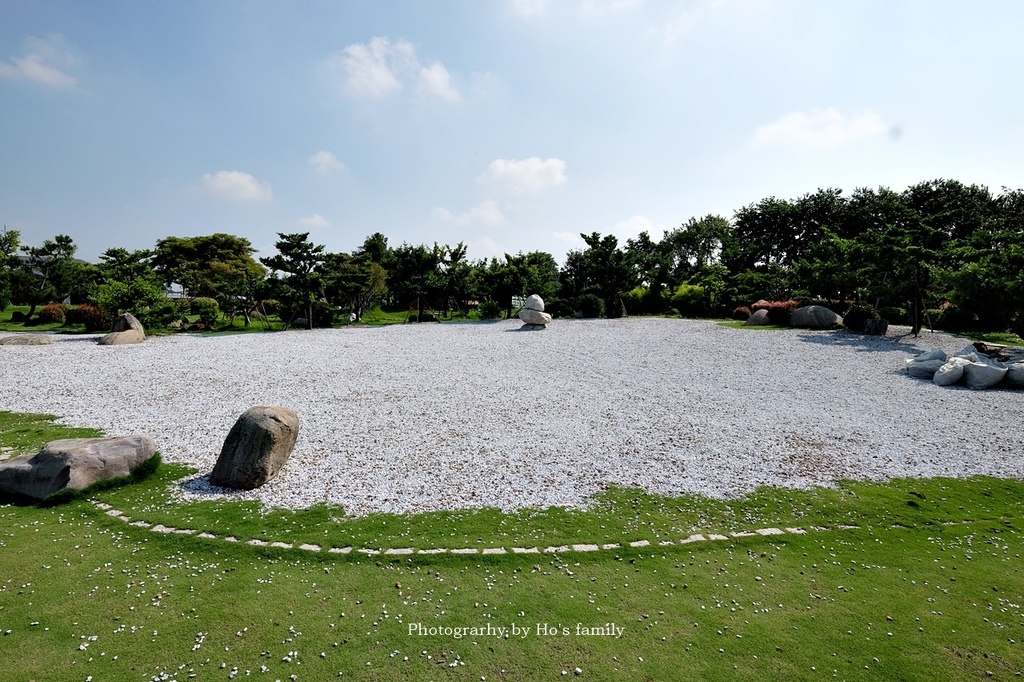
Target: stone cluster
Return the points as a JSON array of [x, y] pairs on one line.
[[533, 314]]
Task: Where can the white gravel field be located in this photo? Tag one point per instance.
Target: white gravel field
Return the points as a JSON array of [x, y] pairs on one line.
[[448, 416]]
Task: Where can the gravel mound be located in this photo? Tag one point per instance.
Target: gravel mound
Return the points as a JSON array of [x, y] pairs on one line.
[[427, 417]]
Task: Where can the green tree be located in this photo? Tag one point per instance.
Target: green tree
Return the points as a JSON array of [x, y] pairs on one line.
[[301, 261], [48, 273], [9, 242], [602, 269], [129, 284], [897, 254], [219, 266], [694, 246], [355, 282]]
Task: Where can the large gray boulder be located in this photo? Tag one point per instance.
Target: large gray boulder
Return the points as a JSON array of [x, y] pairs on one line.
[[814, 317], [26, 340], [122, 338], [125, 330], [256, 448], [73, 463], [759, 318], [127, 322]]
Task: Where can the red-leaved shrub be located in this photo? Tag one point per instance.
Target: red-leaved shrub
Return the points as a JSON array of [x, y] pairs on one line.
[[92, 317], [52, 313], [778, 311]]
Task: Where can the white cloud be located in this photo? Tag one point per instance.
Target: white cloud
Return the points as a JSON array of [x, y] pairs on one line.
[[325, 162], [487, 212], [530, 8], [436, 80], [235, 186], [702, 11], [315, 221], [819, 129], [525, 176], [601, 7], [43, 63], [380, 68], [484, 248]]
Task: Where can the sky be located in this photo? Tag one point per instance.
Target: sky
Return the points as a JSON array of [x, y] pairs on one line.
[[509, 125]]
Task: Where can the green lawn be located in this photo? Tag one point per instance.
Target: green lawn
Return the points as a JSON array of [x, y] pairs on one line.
[[928, 585]]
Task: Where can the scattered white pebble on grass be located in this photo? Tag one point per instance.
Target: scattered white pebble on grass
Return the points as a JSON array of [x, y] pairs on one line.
[[415, 418]]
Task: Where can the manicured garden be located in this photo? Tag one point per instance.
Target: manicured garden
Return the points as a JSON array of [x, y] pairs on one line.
[[914, 579]]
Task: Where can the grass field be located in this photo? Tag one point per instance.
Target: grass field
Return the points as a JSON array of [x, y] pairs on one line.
[[927, 585]]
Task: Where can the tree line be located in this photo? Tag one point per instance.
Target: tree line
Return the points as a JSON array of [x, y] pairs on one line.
[[939, 252]]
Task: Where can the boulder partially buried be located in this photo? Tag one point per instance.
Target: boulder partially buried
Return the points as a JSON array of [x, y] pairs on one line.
[[128, 322], [815, 317], [759, 318], [122, 338], [256, 448], [126, 329], [73, 463], [26, 340]]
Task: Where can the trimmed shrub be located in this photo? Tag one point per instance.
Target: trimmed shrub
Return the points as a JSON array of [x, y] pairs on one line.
[[688, 299], [778, 311], [490, 310], [18, 316], [93, 318], [635, 300], [741, 313], [895, 315], [207, 310], [857, 315], [270, 306], [52, 313], [591, 306], [557, 307]]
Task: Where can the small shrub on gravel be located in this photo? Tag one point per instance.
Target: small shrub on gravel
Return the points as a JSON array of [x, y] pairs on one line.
[[741, 313], [207, 310], [52, 313]]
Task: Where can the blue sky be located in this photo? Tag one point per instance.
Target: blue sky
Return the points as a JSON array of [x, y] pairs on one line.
[[510, 125]]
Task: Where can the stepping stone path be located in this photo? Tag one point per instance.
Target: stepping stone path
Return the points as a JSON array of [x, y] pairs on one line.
[[392, 551]]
